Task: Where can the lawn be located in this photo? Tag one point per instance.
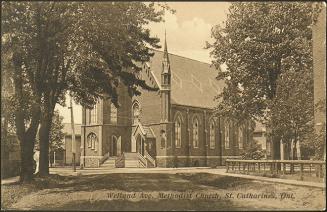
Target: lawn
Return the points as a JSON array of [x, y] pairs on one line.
[[157, 191]]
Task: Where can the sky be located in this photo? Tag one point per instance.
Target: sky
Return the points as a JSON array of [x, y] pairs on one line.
[[187, 31]]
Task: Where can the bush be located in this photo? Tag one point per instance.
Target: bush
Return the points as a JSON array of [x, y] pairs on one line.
[[253, 152]]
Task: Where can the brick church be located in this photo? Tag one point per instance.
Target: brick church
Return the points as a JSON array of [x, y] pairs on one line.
[[173, 127]]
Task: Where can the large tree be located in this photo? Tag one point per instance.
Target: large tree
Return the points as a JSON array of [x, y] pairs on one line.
[[259, 42], [83, 48]]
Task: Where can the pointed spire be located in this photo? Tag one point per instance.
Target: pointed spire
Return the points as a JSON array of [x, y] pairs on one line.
[[166, 58]]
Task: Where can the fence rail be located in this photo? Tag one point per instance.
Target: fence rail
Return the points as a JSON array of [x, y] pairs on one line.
[[277, 166]]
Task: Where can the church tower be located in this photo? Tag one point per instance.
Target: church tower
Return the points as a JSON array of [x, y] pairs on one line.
[[165, 86]]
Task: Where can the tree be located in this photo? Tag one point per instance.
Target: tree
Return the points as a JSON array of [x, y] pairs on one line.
[[56, 138], [23, 101], [253, 151], [84, 48], [56, 133], [260, 42]]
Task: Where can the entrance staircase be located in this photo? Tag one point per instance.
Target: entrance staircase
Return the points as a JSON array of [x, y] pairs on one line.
[[110, 163], [130, 160]]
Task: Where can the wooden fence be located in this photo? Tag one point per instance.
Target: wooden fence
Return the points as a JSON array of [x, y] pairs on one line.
[[277, 166]]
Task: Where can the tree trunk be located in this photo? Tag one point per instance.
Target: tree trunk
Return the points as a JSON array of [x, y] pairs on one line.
[[27, 161], [27, 141], [44, 135]]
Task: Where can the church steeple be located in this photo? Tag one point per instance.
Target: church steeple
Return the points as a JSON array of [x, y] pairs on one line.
[[165, 85], [165, 61]]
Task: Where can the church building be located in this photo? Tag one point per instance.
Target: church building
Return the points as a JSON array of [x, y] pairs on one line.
[[172, 127]]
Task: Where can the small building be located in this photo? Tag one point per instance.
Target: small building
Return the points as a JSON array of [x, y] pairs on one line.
[[67, 158]]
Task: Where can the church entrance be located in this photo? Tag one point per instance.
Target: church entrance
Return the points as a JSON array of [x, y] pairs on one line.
[[115, 149], [114, 146], [140, 144]]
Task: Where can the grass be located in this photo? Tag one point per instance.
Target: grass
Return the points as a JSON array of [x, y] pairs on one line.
[[89, 192]]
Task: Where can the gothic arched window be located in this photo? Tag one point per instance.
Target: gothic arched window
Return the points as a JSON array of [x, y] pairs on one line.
[[93, 115], [92, 141], [113, 114], [136, 112], [195, 133], [212, 135], [178, 132]]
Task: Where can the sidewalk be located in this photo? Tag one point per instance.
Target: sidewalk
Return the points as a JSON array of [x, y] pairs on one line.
[[9, 180]]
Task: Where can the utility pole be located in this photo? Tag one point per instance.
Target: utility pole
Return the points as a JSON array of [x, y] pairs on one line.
[[73, 134]]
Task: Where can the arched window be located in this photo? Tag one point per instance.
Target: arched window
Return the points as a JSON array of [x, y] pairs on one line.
[[178, 133], [212, 135], [93, 115], [240, 138], [195, 133], [163, 138], [92, 141], [227, 137], [113, 114], [136, 112]]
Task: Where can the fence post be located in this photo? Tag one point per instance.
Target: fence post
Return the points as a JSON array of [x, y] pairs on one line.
[[227, 166], [320, 171], [284, 168], [259, 167], [248, 166], [301, 169]]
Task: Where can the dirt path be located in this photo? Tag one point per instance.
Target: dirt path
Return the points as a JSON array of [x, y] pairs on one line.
[[200, 191]]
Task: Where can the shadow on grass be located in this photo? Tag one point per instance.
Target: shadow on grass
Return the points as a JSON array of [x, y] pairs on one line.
[[137, 182], [217, 181], [148, 205], [124, 181]]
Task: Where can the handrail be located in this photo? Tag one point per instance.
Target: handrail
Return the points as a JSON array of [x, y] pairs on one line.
[[276, 166], [149, 157], [104, 158], [278, 161], [119, 159], [142, 159]]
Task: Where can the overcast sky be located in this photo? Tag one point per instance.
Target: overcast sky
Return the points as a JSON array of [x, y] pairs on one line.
[[187, 31]]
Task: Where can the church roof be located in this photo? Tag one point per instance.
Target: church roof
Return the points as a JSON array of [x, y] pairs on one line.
[[193, 82]]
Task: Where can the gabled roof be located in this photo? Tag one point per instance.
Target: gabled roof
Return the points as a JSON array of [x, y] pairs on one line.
[[193, 82], [144, 130]]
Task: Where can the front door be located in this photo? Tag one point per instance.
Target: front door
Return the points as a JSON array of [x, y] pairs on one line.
[[114, 146]]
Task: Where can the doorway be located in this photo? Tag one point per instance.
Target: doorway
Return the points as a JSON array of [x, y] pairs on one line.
[[113, 146], [140, 144]]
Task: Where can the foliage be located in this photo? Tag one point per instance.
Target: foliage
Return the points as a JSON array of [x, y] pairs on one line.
[[56, 133], [253, 151], [259, 42], [267, 48], [56, 140], [81, 47]]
